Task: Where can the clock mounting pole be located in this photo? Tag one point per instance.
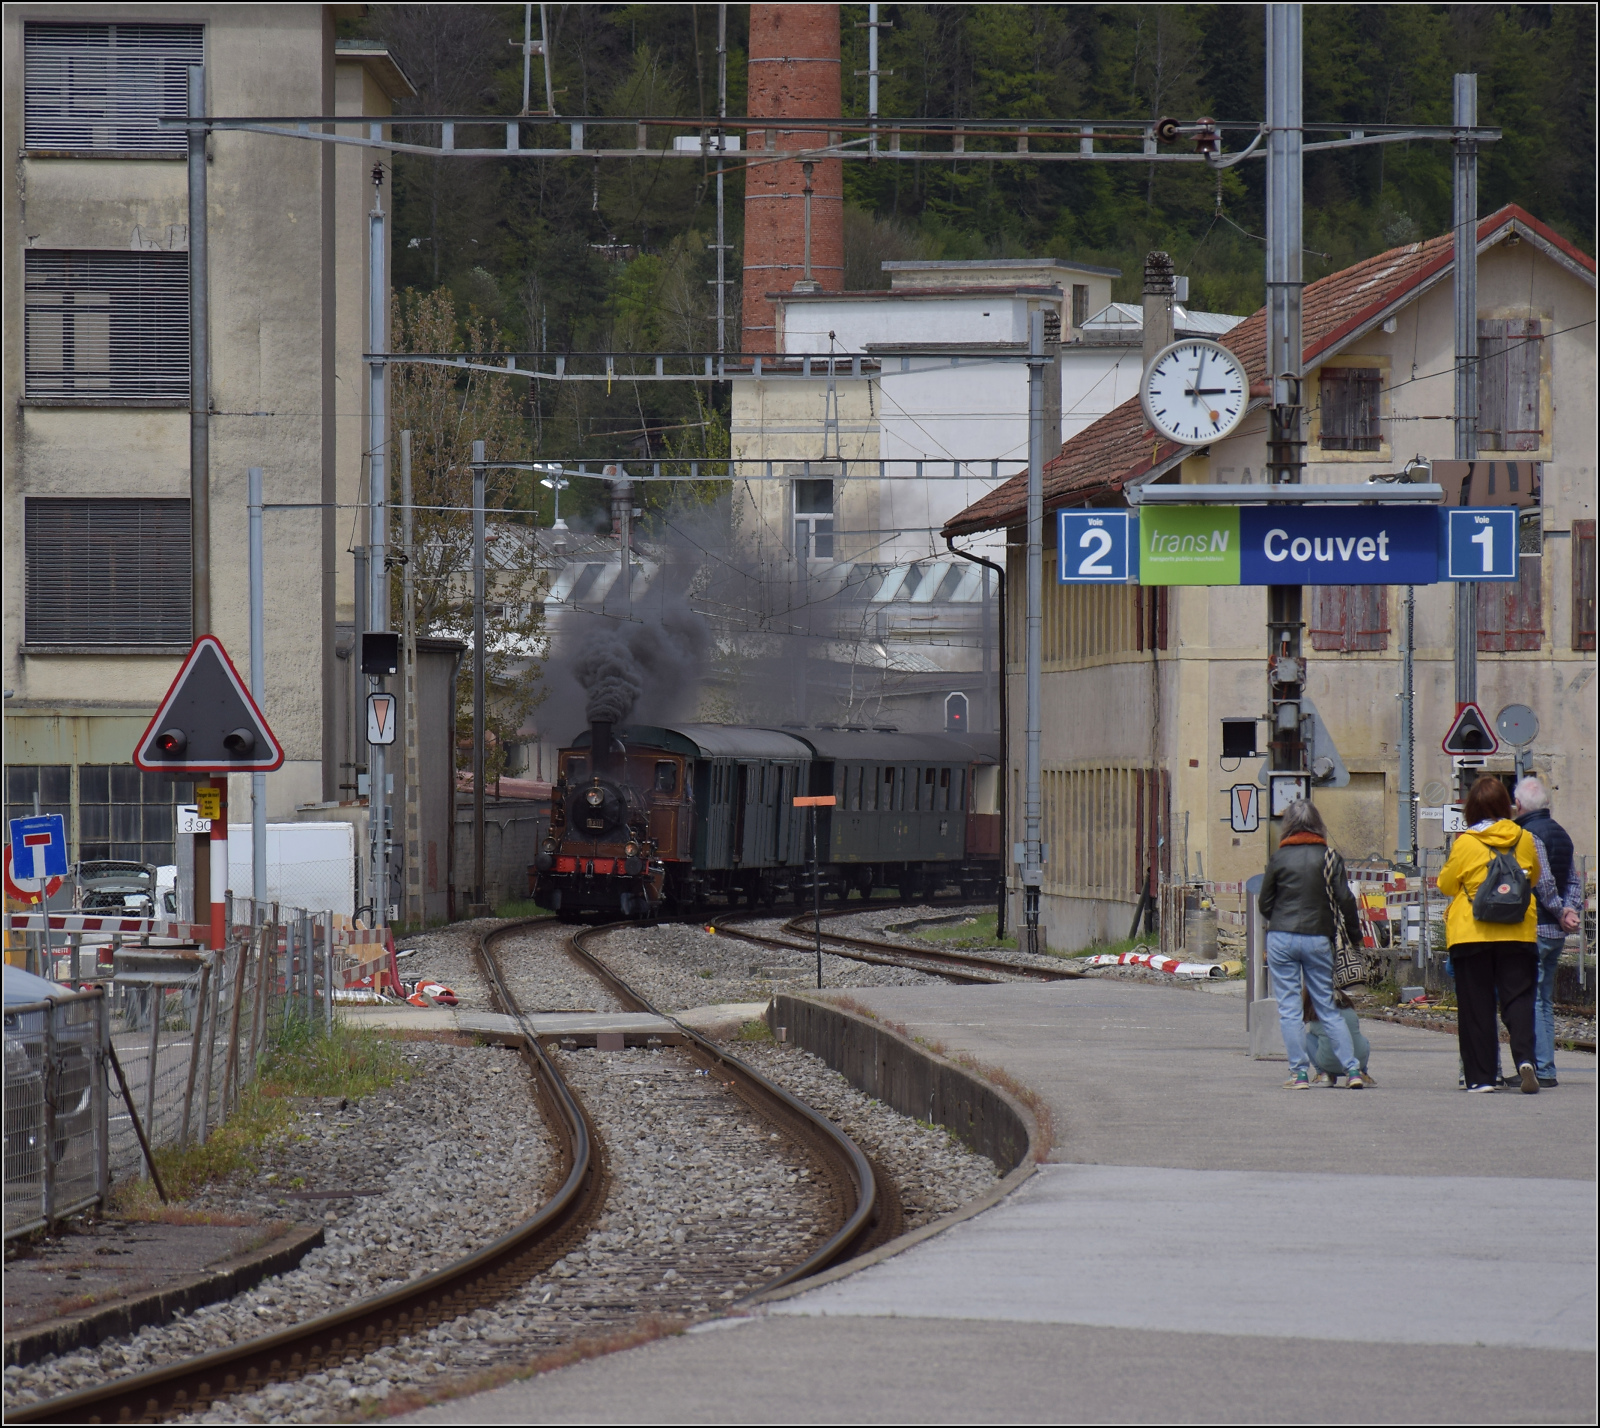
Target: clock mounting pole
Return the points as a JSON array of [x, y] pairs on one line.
[[1286, 671]]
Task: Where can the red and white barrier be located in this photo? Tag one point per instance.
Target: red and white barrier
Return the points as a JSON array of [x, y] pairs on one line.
[[1156, 963], [165, 927]]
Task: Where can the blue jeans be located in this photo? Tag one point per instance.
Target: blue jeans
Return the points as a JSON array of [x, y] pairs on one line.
[[1544, 1010], [1291, 957]]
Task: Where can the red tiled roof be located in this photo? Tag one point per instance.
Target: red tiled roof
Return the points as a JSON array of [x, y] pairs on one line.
[[1100, 460]]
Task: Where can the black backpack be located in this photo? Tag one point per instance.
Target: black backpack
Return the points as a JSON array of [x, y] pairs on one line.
[[1504, 893]]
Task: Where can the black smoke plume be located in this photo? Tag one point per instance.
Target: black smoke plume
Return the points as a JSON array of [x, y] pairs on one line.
[[658, 663]]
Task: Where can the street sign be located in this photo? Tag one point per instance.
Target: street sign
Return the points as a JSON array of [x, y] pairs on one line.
[[1470, 734], [1093, 547], [39, 846], [1480, 544], [1454, 818], [1286, 788], [207, 722], [208, 803], [380, 718], [28, 889], [1244, 807], [1517, 724]]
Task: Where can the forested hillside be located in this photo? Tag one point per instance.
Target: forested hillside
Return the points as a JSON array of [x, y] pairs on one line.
[[576, 255]]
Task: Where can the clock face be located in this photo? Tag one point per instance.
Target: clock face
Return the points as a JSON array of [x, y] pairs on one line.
[[1194, 392]]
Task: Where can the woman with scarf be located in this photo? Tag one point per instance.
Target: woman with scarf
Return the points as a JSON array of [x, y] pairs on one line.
[[1304, 890]]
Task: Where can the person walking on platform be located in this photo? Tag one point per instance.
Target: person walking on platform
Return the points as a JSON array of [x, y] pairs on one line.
[[1533, 814], [1495, 874], [1304, 890]]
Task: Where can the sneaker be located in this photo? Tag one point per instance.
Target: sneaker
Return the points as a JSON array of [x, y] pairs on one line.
[[1356, 1083], [1300, 1081], [1323, 1079], [1529, 1078], [1546, 1082], [1369, 1078], [1488, 1088]]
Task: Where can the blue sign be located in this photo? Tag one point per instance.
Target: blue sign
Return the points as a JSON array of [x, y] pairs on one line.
[[1327, 545], [39, 846], [1093, 547], [1480, 543]]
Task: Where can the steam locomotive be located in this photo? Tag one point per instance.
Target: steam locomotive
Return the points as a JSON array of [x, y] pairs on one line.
[[649, 820]]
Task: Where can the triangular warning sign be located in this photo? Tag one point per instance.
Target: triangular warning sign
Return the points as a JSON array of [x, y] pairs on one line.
[[208, 723], [1470, 734]]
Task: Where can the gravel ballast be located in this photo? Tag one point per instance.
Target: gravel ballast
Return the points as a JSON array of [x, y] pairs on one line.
[[458, 1153]]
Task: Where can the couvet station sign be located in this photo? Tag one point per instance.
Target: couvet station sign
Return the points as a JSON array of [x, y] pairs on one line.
[[1285, 545]]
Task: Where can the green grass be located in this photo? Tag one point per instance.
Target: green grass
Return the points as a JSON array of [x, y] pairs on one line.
[[521, 907], [977, 934], [1127, 944], [302, 1061], [755, 1031]]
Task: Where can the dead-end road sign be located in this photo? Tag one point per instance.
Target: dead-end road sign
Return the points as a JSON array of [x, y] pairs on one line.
[[208, 723]]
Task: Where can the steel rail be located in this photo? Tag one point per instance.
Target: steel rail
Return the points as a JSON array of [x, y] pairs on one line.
[[875, 1216], [966, 967], [478, 1279]]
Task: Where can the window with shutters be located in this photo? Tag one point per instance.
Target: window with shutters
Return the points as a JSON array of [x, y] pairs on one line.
[[1511, 615], [1510, 360], [1350, 408], [106, 327], [102, 89], [1583, 585], [107, 571], [1080, 304], [1349, 618]]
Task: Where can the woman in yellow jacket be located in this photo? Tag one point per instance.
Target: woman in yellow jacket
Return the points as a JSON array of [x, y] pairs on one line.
[[1493, 959]]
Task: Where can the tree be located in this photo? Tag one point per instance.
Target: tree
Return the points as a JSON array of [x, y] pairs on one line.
[[446, 411]]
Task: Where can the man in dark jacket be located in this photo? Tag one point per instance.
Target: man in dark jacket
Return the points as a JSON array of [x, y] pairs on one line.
[[1295, 901], [1555, 920]]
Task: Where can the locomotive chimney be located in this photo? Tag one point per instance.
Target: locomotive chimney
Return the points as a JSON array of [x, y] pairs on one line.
[[600, 747], [794, 74]]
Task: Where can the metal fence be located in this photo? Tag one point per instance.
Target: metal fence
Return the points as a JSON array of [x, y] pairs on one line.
[[166, 1042], [56, 1142]]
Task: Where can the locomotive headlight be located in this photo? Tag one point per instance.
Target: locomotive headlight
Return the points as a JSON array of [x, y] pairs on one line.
[[632, 850], [594, 797], [549, 845]]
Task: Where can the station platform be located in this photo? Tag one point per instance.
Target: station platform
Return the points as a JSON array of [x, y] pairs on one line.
[[1202, 1246]]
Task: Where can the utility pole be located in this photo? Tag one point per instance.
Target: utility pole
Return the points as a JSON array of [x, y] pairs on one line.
[[415, 910], [258, 687], [1032, 853], [199, 368], [378, 520], [1466, 423], [479, 595], [1407, 847], [1286, 673]]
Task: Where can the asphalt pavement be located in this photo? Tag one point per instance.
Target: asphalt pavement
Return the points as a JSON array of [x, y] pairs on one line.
[[1202, 1246]]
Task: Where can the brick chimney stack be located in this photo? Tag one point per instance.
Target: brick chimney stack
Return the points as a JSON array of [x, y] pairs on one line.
[[794, 73]]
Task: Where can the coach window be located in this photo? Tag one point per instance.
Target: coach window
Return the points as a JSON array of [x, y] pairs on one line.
[[666, 776], [944, 789]]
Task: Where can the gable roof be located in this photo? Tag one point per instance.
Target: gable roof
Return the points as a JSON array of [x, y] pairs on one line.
[[1100, 461]]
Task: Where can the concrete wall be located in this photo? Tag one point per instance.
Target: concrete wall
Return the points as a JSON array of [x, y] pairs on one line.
[[901, 1074], [512, 832]]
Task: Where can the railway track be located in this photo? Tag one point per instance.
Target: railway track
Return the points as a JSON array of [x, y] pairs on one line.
[[969, 968], [864, 1209]]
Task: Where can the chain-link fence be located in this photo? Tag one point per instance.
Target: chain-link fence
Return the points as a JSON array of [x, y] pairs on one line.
[[162, 1048], [56, 1160]]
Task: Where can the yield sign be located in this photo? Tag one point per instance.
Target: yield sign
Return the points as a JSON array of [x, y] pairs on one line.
[[380, 718], [208, 723], [1470, 733], [1244, 807]]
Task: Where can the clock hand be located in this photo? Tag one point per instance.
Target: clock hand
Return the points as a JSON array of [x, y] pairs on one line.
[[1204, 391]]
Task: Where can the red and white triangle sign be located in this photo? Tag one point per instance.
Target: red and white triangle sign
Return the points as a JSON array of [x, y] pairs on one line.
[[207, 722], [1470, 733]]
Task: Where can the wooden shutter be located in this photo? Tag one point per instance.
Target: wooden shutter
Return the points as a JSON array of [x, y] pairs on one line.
[[1328, 628], [1349, 398], [1367, 617], [1511, 617], [1583, 585], [103, 88], [107, 572], [1510, 362], [106, 325]]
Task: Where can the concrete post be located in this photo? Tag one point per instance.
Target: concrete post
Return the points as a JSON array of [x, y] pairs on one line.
[[1032, 862], [378, 516], [1466, 393]]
